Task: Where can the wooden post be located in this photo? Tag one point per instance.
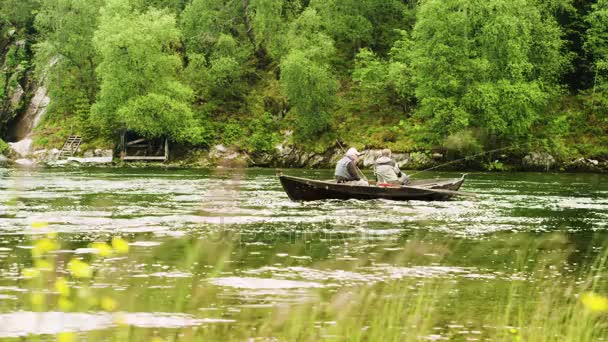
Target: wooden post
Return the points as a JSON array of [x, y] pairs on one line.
[[166, 150], [123, 147]]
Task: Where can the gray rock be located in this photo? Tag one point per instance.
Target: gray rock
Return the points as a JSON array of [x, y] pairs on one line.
[[538, 161], [3, 160], [92, 160], [34, 113], [25, 162], [89, 154], [217, 151], [104, 153], [22, 148], [586, 165], [16, 95], [261, 160], [418, 160], [369, 158], [401, 159]]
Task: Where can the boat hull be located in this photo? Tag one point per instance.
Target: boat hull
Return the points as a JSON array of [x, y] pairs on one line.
[[303, 189]]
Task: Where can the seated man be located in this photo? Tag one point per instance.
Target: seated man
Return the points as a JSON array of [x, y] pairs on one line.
[[387, 170], [346, 169]]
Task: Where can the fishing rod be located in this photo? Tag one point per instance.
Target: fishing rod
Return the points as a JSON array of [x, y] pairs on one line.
[[465, 158]]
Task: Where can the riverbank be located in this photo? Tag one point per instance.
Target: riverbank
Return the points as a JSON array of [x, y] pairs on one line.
[[285, 156]]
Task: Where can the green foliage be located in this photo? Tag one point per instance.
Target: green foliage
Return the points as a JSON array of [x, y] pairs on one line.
[[203, 21], [264, 134], [306, 35], [495, 165], [596, 45], [269, 20], [463, 142], [491, 64], [232, 132], [310, 88], [65, 55], [154, 116], [387, 83], [3, 147], [18, 13], [138, 71], [409, 75]]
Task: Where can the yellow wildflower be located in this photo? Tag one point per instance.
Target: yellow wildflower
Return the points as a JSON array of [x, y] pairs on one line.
[[30, 273], [120, 245], [108, 304], [43, 265], [66, 337], [594, 302], [80, 269], [39, 225], [38, 299], [513, 331], [157, 339], [65, 304], [102, 248], [61, 285], [43, 246]]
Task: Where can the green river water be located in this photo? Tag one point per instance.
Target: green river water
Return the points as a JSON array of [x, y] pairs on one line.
[[228, 253]]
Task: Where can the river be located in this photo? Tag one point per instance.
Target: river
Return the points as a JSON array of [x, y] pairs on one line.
[[226, 254]]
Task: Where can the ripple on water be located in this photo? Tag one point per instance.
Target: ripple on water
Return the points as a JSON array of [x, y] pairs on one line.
[[22, 324], [263, 283]]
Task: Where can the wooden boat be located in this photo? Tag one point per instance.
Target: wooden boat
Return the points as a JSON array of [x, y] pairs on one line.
[[303, 189]]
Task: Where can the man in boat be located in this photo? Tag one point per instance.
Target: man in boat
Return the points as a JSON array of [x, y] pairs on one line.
[[387, 171], [346, 169]]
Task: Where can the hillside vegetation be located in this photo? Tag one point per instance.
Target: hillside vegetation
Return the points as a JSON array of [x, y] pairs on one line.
[[457, 75]]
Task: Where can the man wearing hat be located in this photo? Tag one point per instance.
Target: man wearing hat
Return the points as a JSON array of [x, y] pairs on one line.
[[346, 169]]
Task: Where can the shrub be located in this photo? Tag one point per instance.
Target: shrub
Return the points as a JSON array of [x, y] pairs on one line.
[[3, 147]]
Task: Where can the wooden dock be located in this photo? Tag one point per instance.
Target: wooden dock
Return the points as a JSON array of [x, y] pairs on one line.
[[139, 150]]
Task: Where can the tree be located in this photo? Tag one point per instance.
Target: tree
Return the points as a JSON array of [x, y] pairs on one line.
[[66, 54], [386, 83], [217, 52], [139, 71], [596, 45], [18, 13], [491, 65], [306, 77], [310, 88], [269, 21]]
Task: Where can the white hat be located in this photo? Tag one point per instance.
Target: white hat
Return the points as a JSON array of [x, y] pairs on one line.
[[353, 153]]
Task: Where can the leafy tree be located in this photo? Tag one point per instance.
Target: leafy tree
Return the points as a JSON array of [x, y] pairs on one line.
[[203, 21], [269, 21], [596, 44], [310, 88], [139, 71], [386, 83], [18, 13], [66, 54], [306, 35], [493, 65]]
